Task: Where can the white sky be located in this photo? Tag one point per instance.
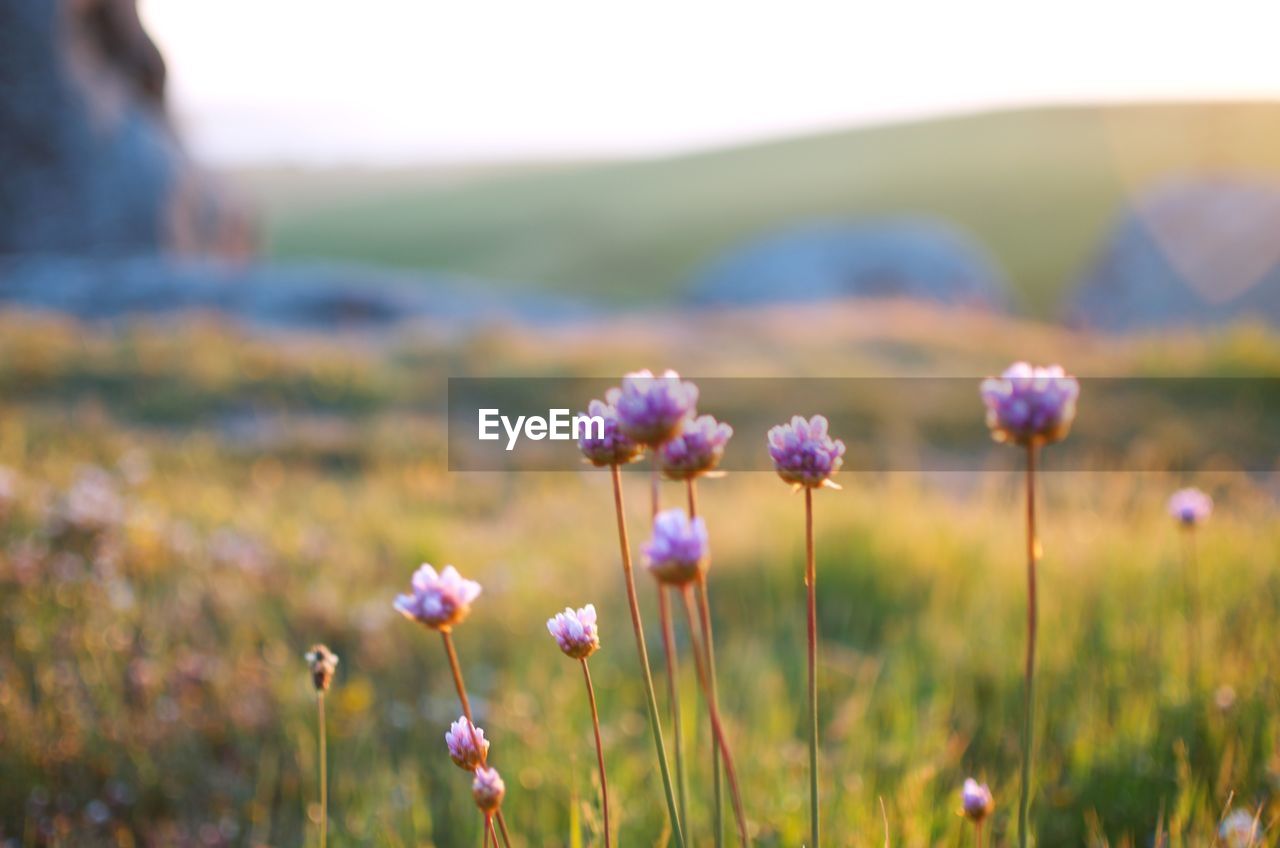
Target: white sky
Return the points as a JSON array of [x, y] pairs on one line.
[[384, 82]]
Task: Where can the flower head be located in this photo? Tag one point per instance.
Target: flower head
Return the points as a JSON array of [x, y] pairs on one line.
[[609, 445], [575, 631], [1190, 506], [696, 449], [804, 454], [651, 408], [323, 663], [1030, 406], [976, 800], [467, 746], [438, 600], [1239, 829], [678, 551], [487, 788]]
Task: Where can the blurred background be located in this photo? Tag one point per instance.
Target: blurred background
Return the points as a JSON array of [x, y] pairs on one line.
[[244, 244]]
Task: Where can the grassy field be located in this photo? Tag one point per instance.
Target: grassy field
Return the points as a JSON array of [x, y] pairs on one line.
[[1038, 188], [190, 507]]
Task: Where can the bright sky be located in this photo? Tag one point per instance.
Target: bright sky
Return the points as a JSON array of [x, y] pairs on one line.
[[384, 82]]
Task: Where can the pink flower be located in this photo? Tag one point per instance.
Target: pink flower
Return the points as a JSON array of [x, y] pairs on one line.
[[467, 746], [804, 454], [1190, 506], [438, 601], [678, 551], [1030, 406], [696, 449], [575, 631], [488, 789]]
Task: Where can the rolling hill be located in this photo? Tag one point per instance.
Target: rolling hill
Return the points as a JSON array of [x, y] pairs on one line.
[[1037, 187]]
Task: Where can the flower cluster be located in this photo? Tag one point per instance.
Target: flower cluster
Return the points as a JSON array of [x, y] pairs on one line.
[[696, 449], [803, 453], [612, 446], [651, 409], [1030, 406], [575, 631], [1190, 507], [677, 553], [438, 601], [467, 746]]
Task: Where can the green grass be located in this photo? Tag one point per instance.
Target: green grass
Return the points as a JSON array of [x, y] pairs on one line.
[[155, 664], [1038, 188]]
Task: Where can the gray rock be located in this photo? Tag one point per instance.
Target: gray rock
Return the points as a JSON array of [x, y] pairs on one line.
[[88, 161], [1190, 252], [273, 296], [899, 258]]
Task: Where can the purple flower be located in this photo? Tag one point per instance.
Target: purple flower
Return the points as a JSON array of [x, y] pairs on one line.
[[607, 446], [438, 600], [803, 454], [651, 408], [488, 789], [677, 553], [467, 746], [1190, 506], [1030, 406], [575, 631], [1239, 829], [976, 800], [696, 449]]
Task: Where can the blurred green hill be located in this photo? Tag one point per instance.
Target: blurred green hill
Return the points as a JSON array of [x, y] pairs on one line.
[[1037, 187]]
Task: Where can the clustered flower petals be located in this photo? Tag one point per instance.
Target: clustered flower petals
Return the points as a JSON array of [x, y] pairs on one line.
[[804, 454], [575, 631], [696, 449], [1239, 829], [467, 746], [1029, 405], [976, 800], [488, 789], [612, 446], [650, 409], [438, 601], [323, 663], [1190, 506], [678, 551]]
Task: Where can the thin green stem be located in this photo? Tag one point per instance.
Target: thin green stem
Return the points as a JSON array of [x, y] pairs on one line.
[[673, 697], [717, 727], [1191, 575], [704, 615], [324, 772], [1024, 802], [810, 582], [595, 724], [651, 700]]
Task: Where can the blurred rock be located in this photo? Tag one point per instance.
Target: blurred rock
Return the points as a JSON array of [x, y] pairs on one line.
[[293, 296], [902, 258], [89, 162], [1188, 252]]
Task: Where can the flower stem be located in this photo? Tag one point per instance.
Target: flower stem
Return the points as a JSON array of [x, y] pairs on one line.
[[595, 723], [456, 668], [1191, 575], [978, 830], [717, 727], [489, 834], [324, 772], [655, 723], [810, 582], [1024, 802], [673, 696], [704, 616]]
